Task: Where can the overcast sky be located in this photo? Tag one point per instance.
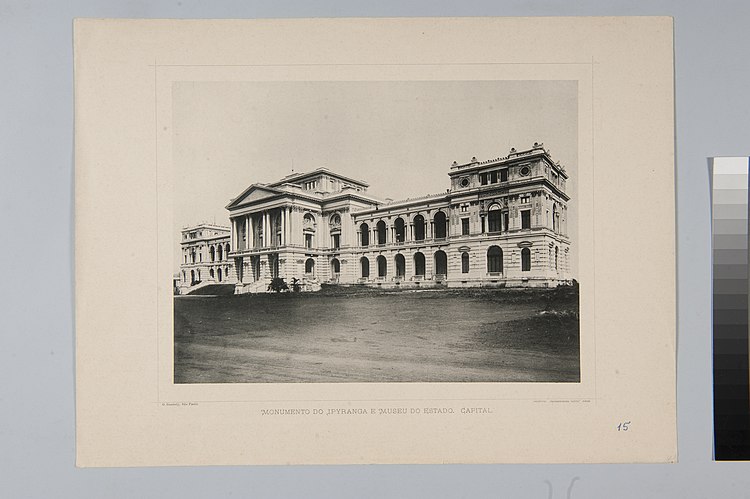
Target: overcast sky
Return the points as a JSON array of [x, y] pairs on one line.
[[400, 137]]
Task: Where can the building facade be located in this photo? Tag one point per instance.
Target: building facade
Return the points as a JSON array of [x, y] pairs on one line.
[[205, 257], [502, 222]]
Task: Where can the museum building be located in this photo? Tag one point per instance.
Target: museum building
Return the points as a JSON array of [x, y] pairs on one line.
[[205, 257], [503, 222]]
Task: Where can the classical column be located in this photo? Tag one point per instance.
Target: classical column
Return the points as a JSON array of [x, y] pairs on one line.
[[294, 226], [265, 228], [287, 225], [411, 231], [345, 231], [432, 229], [247, 232]]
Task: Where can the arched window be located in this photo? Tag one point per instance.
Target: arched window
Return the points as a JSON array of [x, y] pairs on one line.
[[419, 228], [220, 252], [364, 265], [400, 262], [212, 254], [419, 264], [335, 267], [211, 273], [226, 250], [494, 260], [308, 229], [400, 228], [364, 229], [192, 277], [382, 266], [440, 225], [525, 259], [309, 266], [441, 263], [381, 232], [218, 273], [335, 224], [494, 216], [464, 263], [184, 276]]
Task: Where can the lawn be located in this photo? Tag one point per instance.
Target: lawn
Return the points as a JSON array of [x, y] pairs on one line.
[[334, 336]]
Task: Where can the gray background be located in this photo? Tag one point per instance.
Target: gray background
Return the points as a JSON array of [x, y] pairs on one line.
[[36, 296]]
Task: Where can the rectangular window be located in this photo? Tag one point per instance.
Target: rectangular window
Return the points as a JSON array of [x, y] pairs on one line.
[[504, 175], [483, 178], [506, 221], [308, 240], [465, 263], [336, 241], [525, 219], [494, 221], [464, 208], [525, 260], [464, 226], [493, 177]]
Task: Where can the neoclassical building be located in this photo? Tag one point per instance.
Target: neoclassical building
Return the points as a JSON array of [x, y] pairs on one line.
[[503, 222], [205, 257]]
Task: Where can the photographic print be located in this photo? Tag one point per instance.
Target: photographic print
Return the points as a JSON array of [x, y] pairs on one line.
[[376, 231], [375, 241]]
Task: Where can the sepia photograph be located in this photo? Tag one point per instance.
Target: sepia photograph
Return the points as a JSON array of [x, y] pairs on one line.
[[428, 249], [375, 231]]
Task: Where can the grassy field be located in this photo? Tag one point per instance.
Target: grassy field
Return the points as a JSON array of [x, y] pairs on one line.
[[374, 336]]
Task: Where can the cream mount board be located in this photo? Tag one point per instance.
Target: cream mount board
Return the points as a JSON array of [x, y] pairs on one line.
[[171, 115]]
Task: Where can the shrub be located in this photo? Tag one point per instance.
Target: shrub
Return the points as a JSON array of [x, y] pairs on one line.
[[278, 285]]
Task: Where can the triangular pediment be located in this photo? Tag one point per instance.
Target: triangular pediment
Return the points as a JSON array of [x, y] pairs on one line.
[[252, 194]]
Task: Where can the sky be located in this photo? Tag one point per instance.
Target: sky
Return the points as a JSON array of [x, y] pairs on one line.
[[399, 136]]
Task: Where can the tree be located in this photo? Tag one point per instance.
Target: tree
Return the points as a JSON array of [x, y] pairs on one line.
[[278, 285]]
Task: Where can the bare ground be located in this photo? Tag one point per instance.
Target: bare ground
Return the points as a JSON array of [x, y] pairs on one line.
[[335, 336]]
